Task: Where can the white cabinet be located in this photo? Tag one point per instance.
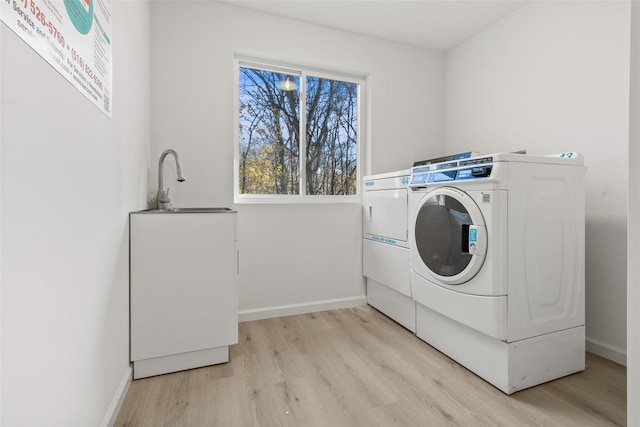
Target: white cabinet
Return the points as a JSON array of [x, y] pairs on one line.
[[184, 299]]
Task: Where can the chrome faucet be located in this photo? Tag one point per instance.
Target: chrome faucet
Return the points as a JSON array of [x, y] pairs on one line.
[[163, 196]]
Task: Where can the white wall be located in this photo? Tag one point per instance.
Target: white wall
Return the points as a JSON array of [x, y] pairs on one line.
[[554, 77], [633, 277], [70, 175], [296, 256], [1, 44]]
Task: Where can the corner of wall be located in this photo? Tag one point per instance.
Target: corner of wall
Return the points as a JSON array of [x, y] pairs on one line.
[[633, 226], [1, 30]]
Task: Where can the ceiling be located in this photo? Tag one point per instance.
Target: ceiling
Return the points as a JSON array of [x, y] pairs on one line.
[[431, 24]]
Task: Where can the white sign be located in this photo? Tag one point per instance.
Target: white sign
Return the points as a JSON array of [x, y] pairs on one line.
[[74, 36]]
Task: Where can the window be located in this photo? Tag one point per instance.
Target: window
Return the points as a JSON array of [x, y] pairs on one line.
[[298, 135]]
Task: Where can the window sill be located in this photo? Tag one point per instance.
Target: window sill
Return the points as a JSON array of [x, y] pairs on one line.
[[290, 200]]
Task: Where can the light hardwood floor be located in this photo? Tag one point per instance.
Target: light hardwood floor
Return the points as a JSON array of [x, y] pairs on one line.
[[356, 367]]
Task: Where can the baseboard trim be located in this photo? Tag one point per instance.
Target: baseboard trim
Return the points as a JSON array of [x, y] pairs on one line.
[[112, 413], [310, 307], [606, 350]]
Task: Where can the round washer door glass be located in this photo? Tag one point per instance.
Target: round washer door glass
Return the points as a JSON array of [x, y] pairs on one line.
[[448, 229]]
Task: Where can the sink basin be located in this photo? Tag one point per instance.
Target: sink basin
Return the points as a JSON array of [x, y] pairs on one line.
[[191, 210]]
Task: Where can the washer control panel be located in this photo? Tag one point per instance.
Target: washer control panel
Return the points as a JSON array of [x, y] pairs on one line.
[[476, 168]]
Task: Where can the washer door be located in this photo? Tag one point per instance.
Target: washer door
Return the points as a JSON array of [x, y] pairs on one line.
[[450, 236]]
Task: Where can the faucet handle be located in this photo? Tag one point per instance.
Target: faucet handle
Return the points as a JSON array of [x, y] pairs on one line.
[[163, 195], [163, 199]]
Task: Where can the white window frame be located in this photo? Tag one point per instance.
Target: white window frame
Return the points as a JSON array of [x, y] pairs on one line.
[[301, 72]]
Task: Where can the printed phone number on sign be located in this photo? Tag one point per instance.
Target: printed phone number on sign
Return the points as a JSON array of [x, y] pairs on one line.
[[29, 5], [75, 56], [39, 15]]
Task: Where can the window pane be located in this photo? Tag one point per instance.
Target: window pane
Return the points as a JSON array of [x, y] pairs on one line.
[[332, 124], [269, 108]]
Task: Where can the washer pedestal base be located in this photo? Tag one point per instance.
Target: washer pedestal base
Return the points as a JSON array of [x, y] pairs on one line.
[[508, 366], [395, 305]]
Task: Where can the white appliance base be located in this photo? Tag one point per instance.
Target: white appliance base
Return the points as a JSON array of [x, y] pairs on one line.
[[487, 314], [179, 362], [395, 305], [508, 366]]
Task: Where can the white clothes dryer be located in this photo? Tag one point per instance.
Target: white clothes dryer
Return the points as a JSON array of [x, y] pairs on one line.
[[385, 246], [497, 258]]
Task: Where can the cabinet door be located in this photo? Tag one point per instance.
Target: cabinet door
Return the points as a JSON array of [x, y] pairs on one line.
[[183, 283]]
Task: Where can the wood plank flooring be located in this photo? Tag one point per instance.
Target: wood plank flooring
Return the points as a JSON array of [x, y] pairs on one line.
[[356, 367]]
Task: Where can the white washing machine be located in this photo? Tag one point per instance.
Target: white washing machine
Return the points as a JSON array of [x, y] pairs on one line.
[[385, 246], [497, 264]]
